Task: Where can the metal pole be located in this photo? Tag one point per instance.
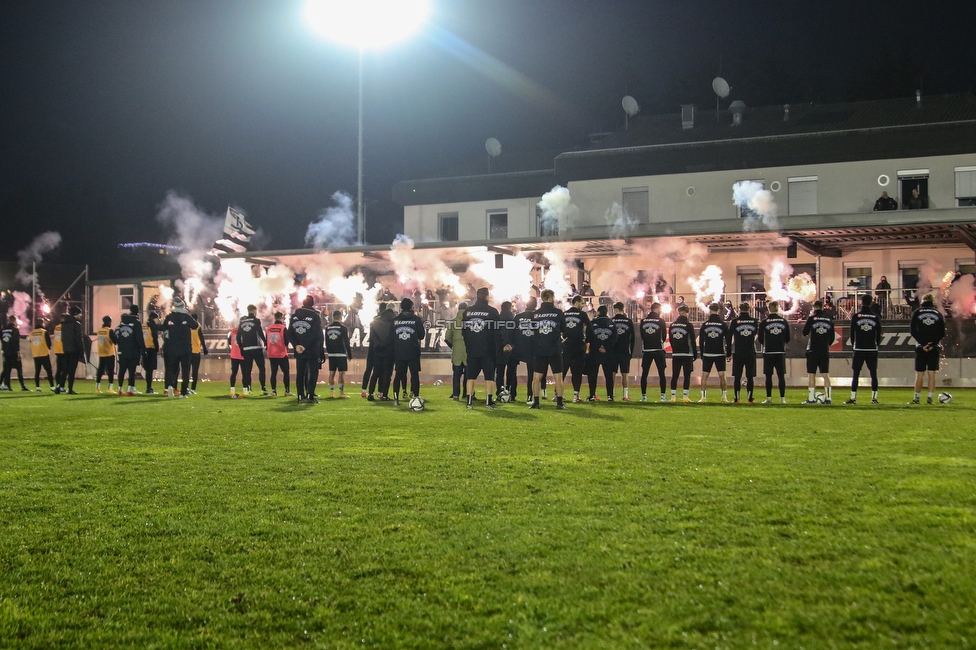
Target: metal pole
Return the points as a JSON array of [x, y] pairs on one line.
[[34, 295], [359, 178]]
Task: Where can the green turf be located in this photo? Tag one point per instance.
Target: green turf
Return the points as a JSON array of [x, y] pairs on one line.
[[211, 522]]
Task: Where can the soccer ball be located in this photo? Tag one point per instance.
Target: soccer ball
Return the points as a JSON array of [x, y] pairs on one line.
[[821, 398], [417, 404], [945, 398], [438, 382], [504, 396]]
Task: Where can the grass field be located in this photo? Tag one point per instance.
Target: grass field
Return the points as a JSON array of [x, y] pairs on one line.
[[211, 522]]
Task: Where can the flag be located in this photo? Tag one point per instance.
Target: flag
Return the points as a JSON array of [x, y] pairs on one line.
[[237, 234]]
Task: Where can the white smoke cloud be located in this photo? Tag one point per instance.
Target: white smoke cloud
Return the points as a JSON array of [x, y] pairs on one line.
[[423, 269], [21, 307], [34, 254], [558, 212], [335, 226], [195, 232], [750, 195], [627, 277], [512, 281], [240, 284], [621, 224]]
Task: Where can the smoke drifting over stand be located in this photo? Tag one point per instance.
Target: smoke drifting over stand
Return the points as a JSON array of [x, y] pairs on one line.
[[757, 204], [34, 254], [335, 226]]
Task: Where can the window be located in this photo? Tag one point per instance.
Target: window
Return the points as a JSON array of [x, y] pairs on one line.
[[498, 225], [636, 204], [858, 278], [909, 276], [750, 283], [966, 267], [965, 186], [914, 181], [803, 195], [447, 226], [743, 211], [126, 299], [546, 227]]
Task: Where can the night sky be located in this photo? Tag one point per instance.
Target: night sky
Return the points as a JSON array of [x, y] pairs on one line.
[[108, 104]]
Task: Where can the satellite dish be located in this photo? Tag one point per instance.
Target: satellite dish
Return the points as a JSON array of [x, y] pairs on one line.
[[721, 87], [630, 106], [493, 147]]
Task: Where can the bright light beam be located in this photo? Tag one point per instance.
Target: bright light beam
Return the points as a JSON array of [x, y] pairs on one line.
[[366, 24]]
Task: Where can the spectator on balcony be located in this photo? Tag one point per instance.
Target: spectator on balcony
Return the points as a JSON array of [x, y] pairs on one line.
[[885, 202], [881, 293], [917, 201], [587, 289], [387, 294]]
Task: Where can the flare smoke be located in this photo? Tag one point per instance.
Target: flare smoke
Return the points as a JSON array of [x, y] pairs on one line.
[[750, 195], [335, 227], [34, 253], [558, 212]]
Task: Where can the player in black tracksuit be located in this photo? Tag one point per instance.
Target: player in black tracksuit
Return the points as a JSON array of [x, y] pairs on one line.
[[523, 350], [339, 351], [251, 340], [865, 339], [653, 332], [73, 345], [548, 323], [820, 328], [381, 342], [131, 346], [712, 338], [306, 337], [179, 347], [602, 337], [10, 341], [506, 365], [408, 334], [574, 344], [623, 350], [479, 327], [742, 342], [684, 351], [774, 334], [928, 330]]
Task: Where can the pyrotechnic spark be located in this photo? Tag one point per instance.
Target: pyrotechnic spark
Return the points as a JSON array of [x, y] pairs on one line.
[[708, 286]]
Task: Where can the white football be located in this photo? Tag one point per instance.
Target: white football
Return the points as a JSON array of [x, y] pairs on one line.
[[820, 397], [945, 398], [417, 404], [504, 396]]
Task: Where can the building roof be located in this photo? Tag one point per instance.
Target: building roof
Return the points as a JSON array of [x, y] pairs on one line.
[[656, 145]]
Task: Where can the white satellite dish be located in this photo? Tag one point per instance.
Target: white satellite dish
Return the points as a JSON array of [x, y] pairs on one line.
[[630, 105], [721, 87], [493, 147]]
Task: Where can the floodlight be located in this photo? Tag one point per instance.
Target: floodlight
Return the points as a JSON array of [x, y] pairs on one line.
[[366, 24]]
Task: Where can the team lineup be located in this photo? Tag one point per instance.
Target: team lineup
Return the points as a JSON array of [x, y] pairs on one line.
[[485, 343]]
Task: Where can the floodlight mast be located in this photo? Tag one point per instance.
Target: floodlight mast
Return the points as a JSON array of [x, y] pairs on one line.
[[365, 24]]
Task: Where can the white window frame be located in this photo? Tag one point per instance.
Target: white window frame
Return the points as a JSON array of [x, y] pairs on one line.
[[965, 194]]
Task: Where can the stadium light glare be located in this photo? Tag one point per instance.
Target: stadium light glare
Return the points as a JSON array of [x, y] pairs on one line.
[[366, 24]]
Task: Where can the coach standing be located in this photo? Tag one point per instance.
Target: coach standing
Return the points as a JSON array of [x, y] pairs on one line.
[[131, 346], [178, 324], [250, 336], [73, 344], [306, 336]]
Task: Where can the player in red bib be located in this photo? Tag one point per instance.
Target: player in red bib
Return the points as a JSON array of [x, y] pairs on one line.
[[278, 354]]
